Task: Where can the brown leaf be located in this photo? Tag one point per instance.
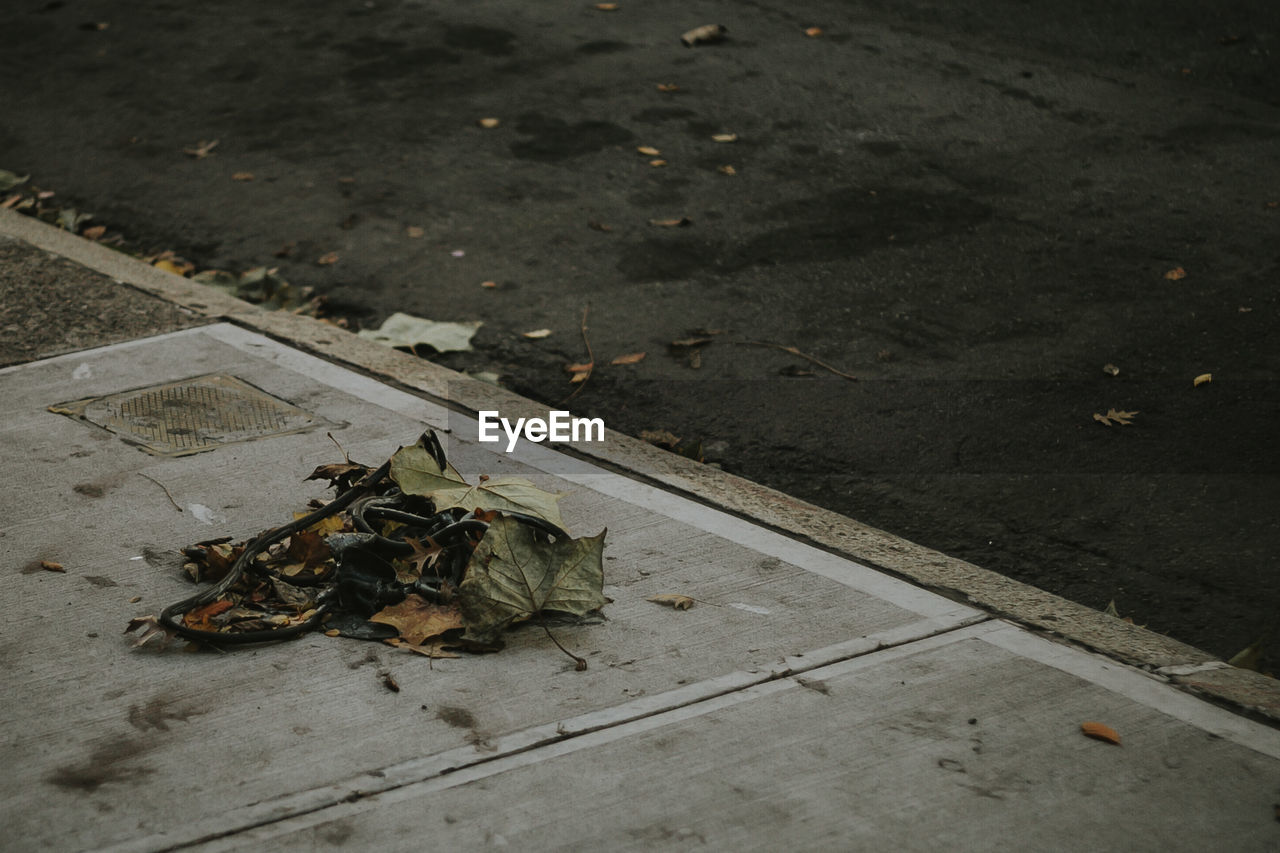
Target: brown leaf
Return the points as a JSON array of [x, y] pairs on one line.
[[424, 556], [580, 371], [648, 151], [1110, 370], [1122, 418], [1175, 274], [50, 566], [726, 170], [813, 32], [431, 650], [606, 7], [340, 475], [242, 176], [673, 600], [95, 232], [327, 258], [668, 87], [308, 548], [1098, 731], [1201, 380], [629, 358], [414, 231], [489, 284], [682, 222], [724, 137], [489, 123], [696, 341], [153, 630], [417, 619], [657, 163], [600, 226], [199, 618]]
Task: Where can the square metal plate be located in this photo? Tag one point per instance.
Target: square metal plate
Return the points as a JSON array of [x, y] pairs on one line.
[[192, 415]]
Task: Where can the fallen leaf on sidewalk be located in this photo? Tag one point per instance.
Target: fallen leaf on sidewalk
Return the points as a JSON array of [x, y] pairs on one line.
[[1202, 379], [511, 575], [94, 233], [405, 330], [242, 176], [9, 180], [327, 259], [606, 7], [682, 222], [1098, 731], [1114, 417], [629, 358], [1110, 370], [418, 619], [1175, 274], [660, 437], [673, 600], [169, 266], [668, 87], [648, 151], [537, 334], [414, 231], [580, 372], [50, 566], [724, 137], [726, 170], [813, 32], [657, 163]]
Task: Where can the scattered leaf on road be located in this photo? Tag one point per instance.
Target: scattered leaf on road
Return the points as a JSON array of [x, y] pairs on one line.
[[1175, 274], [414, 231], [201, 149], [9, 180], [706, 34], [405, 330], [657, 163], [169, 266], [580, 372], [1098, 731], [242, 176], [673, 600], [606, 7], [94, 233], [1114, 417], [1110, 370], [50, 566], [660, 437], [813, 32], [513, 575], [1201, 380], [489, 123], [726, 170], [724, 137], [629, 358], [648, 151], [668, 87], [537, 334], [327, 259], [682, 222]]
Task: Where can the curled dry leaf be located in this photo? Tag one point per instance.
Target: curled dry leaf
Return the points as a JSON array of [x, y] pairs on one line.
[[537, 333], [417, 619], [488, 123], [813, 32], [648, 151], [668, 87], [50, 566], [201, 149], [673, 600], [726, 170], [724, 137], [1113, 417], [327, 258], [1202, 379], [657, 162], [682, 222], [706, 34], [242, 176], [95, 232], [489, 284], [1175, 274], [581, 371], [606, 7], [1110, 370], [414, 231], [629, 358], [1099, 731]]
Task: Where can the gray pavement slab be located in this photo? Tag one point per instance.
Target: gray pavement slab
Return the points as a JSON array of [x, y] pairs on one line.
[[969, 740], [107, 745]]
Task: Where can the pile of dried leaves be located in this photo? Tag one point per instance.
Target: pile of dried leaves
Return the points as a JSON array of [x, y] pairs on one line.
[[408, 553]]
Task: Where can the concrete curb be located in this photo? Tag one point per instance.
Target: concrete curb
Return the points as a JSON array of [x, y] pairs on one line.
[[1164, 657]]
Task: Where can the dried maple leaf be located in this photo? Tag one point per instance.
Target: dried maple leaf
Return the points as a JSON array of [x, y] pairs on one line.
[[513, 574], [417, 619], [308, 548], [673, 600], [1114, 417]]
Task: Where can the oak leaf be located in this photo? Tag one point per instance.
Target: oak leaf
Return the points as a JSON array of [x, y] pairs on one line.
[[1115, 417]]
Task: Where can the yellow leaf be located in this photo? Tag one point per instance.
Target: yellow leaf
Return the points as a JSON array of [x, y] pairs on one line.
[[648, 151], [1201, 380], [489, 123], [168, 266], [671, 599]]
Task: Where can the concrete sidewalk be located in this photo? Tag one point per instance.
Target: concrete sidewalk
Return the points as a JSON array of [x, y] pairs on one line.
[[833, 687]]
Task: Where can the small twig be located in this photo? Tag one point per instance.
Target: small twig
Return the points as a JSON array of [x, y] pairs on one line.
[[591, 358], [803, 355], [345, 457], [580, 664], [166, 491]]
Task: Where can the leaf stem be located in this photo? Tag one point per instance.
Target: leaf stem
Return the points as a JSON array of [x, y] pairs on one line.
[[580, 663]]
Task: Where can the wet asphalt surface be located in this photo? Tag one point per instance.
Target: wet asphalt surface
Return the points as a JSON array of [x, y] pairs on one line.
[[972, 208]]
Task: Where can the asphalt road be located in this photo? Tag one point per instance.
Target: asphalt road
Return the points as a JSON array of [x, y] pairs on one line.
[[972, 208]]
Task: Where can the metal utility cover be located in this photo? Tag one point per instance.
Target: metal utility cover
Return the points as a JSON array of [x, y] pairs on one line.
[[192, 415]]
